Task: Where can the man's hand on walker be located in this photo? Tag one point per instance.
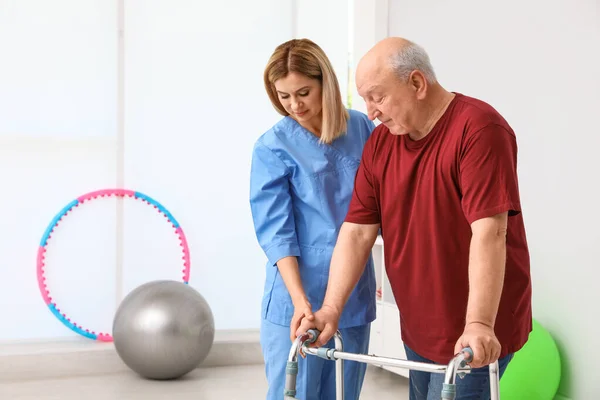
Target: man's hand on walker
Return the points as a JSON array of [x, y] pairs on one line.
[[482, 340], [325, 320]]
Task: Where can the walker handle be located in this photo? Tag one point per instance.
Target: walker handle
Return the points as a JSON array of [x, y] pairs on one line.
[[314, 334], [468, 350]]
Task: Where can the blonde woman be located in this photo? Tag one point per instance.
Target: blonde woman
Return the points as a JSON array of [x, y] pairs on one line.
[[301, 183]]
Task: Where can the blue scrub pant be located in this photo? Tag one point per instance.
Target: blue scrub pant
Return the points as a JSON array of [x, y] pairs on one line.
[[316, 376]]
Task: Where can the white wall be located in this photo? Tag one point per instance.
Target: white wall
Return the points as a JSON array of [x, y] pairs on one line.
[[194, 106], [57, 139], [163, 97], [537, 62], [369, 25], [328, 27]]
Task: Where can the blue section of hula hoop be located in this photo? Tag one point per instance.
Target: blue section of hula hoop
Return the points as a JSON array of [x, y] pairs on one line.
[[55, 220], [159, 206], [69, 324]]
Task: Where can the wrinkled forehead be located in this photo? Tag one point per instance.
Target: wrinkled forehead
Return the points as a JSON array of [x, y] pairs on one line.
[[371, 77]]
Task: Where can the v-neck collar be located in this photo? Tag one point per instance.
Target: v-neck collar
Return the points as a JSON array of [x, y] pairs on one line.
[[311, 136], [297, 127]]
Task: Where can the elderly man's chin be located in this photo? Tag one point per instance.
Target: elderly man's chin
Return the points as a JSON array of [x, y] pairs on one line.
[[393, 128], [396, 130]]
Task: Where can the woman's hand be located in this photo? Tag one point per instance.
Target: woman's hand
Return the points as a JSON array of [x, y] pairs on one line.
[[302, 309]]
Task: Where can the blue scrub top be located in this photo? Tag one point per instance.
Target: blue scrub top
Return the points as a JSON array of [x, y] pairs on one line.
[[300, 191]]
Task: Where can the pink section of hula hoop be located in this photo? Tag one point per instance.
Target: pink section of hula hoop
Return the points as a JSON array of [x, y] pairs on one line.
[[104, 337], [40, 275], [106, 192], [186, 254]]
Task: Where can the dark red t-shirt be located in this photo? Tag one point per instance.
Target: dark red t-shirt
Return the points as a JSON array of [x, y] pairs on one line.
[[425, 194]]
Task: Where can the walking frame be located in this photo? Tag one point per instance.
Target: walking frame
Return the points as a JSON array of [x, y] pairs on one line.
[[457, 366]]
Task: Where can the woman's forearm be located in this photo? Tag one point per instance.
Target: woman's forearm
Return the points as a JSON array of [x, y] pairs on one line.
[[290, 273]]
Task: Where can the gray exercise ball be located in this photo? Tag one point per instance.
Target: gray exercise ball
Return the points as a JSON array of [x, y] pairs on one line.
[[163, 329]]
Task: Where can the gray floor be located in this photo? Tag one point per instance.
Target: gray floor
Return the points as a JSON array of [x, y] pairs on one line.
[[229, 383]]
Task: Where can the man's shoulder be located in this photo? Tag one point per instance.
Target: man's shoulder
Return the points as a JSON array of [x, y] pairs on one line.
[[477, 114]]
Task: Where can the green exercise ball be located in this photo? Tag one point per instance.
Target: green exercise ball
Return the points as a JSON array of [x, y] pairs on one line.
[[534, 372]]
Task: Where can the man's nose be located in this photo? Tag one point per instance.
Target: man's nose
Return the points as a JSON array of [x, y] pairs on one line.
[[372, 112]]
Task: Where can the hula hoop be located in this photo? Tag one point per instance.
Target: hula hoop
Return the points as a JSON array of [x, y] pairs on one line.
[[62, 317]]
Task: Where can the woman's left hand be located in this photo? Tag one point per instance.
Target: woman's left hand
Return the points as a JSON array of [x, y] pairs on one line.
[[302, 309]]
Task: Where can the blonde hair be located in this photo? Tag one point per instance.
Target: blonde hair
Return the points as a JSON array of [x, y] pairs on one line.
[[305, 57]]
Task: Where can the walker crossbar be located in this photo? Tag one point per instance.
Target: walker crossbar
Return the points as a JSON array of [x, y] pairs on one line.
[[457, 366]]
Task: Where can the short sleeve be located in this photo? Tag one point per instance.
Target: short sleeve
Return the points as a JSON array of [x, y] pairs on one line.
[[271, 205], [488, 174], [363, 207]]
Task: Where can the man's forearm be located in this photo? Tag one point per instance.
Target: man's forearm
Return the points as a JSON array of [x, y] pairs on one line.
[[290, 273], [348, 262], [487, 262]]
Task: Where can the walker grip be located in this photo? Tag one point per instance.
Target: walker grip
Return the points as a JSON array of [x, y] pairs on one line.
[[470, 352], [314, 334]]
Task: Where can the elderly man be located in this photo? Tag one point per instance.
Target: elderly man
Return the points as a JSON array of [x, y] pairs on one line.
[[439, 178]]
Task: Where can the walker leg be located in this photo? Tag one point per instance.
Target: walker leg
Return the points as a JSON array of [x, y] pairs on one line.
[[339, 368], [494, 381], [291, 370], [449, 385]]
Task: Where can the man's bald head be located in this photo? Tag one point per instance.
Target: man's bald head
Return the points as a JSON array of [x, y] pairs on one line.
[[395, 55], [382, 52]]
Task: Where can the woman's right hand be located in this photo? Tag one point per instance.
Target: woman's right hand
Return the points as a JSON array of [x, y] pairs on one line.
[[302, 309]]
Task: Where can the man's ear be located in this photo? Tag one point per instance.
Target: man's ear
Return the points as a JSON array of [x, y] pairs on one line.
[[418, 83]]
